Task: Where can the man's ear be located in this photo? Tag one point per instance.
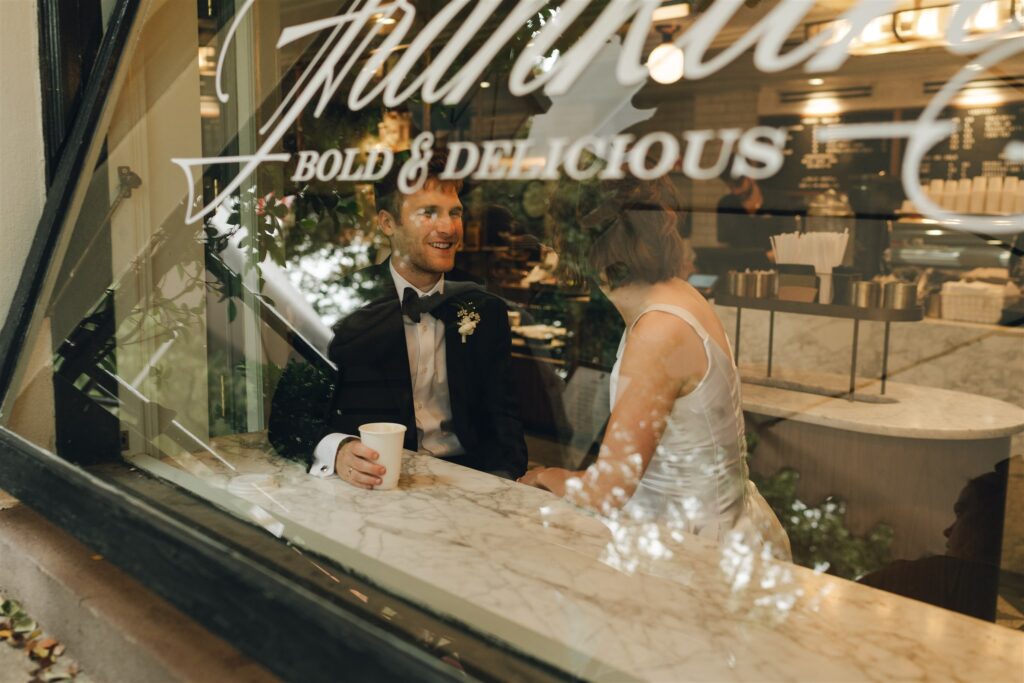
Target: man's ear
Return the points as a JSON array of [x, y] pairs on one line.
[[386, 222]]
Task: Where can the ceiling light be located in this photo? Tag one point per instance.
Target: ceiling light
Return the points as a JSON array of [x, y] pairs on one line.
[[822, 106], [485, 84], [665, 62], [670, 11], [925, 24], [980, 97], [878, 31], [986, 18], [816, 81]]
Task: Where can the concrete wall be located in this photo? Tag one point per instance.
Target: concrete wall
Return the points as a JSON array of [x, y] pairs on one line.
[[22, 179], [22, 194]]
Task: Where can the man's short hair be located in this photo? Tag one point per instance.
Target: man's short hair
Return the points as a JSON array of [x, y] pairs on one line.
[[386, 192]]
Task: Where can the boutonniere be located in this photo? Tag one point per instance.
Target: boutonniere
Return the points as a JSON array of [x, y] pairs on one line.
[[468, 320]]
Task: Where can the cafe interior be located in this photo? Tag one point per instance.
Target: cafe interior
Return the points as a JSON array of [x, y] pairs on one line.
[[873, 308]]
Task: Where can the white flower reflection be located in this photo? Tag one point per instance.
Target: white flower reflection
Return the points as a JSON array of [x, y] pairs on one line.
[[681, 541]]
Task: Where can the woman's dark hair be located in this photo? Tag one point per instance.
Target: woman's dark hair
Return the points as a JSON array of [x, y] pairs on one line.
[[620, 232]]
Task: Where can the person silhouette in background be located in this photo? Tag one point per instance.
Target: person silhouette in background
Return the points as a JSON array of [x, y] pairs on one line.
[[966, 578]]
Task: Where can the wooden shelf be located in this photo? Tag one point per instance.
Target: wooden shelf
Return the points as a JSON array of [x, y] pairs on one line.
[[905, 315]]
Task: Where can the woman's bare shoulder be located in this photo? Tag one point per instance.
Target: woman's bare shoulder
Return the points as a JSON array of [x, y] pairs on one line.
[[661, 342]]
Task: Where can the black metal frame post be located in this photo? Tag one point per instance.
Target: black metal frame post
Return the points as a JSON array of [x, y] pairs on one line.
[[885, 357], [771, 339], [736, 350], [853, 358]]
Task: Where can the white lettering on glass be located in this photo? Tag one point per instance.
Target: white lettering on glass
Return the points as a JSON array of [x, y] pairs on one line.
[[452, 171], [667, 157], [346, 40]]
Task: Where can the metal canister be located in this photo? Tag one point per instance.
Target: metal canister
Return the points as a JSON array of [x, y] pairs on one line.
[[764, 284], [866, 294], [842, 286], [899, 295], [738, 283], [751, 283]]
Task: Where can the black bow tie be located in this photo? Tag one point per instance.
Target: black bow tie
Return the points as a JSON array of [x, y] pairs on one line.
[[414, 305]]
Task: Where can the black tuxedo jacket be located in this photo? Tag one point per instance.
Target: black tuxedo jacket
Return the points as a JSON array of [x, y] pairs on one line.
[[374, 383]]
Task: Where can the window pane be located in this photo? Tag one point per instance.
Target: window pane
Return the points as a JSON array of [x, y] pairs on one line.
[[755, 338]]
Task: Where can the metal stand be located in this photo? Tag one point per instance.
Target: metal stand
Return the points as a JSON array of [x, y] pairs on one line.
[[887, 316], [736, 351], [885, 357], [853, 358]]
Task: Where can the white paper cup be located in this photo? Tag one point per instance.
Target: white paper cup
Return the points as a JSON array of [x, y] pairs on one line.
[[386, 438]]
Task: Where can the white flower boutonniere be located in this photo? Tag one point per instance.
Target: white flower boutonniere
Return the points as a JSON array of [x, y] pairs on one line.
[[468, 320]]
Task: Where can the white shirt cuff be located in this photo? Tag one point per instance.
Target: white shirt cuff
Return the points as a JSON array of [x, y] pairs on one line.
[[325, 453]]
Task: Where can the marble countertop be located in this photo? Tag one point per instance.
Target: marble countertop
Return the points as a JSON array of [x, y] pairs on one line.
[[919, 412], [542, 576]]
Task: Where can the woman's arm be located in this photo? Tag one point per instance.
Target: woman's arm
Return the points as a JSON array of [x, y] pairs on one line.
[[663, 359]]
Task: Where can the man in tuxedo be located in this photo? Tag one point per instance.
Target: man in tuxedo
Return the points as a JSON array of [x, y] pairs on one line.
[[430, 353]]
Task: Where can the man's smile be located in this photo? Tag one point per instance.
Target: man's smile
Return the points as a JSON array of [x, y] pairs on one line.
[[441, 245]]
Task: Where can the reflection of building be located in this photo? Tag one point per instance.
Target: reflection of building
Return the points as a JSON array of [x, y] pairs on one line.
[[146, 336]]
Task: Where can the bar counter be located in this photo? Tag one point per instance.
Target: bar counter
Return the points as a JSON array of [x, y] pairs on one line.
[[552, 581]]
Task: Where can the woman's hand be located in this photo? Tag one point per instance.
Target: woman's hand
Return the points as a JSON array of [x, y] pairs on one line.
[[548, 478], [531, 477]]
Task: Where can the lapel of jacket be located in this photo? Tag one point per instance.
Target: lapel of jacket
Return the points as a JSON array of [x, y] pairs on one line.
[[457, 359], [384, 345], [394, 359]]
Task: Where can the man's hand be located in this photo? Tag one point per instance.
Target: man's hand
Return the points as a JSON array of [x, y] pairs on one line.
[[356, 464]]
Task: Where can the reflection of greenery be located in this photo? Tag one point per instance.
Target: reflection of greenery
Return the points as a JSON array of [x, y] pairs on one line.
[[228, 391], [570, 203], [297, 415], [818, 533], [332, 235]]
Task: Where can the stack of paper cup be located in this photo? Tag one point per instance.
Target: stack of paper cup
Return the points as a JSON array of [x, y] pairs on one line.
[[993, 194], [1008, 197], [986, 195], [936, 191], [977, 199], [962, 196]]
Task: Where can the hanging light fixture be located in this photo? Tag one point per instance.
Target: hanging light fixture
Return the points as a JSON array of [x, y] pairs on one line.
[[921, 27], [665, 62]]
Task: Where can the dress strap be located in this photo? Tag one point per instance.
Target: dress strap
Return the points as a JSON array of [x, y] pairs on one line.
[[691, 320], [679, 312]]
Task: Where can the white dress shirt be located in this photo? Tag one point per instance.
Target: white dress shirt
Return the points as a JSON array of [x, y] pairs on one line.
[[428, 369]]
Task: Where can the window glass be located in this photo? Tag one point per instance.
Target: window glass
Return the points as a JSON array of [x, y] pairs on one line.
[[690, 314]]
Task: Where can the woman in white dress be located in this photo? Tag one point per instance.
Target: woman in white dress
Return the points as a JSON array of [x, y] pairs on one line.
[[674, 450]]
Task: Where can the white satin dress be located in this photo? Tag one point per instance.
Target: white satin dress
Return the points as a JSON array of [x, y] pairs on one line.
[[697, 480]]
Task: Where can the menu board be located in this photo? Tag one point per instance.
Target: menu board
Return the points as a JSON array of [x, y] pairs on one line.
[[976, 148], [849, 166], [813, 165]]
